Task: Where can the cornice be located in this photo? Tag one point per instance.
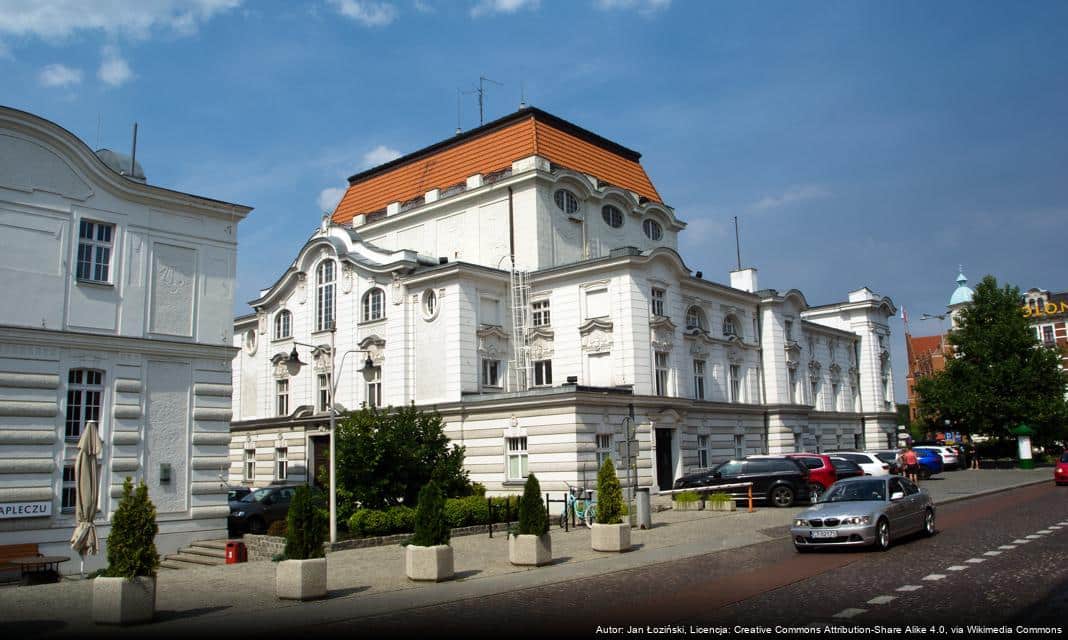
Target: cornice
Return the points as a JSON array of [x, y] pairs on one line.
[[126, 344]]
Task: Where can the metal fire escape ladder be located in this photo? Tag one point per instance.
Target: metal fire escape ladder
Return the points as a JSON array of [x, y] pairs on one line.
[[519, 367]]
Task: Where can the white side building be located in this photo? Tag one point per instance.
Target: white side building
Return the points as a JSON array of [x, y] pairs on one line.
[[119, 298]]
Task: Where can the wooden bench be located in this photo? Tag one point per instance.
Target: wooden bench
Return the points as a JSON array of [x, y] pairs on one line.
[[11, 551]]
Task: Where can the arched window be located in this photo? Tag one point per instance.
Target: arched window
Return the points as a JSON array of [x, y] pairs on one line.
[[324, 295], [374, 305], [695, 318], [652, 229], [566, 201], [283, 325], [730, 326], [612, 216]]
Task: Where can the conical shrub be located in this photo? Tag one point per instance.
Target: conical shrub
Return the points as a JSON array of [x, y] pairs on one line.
[[305, 525], [132, 541], [533, 519], [609, 495], [431, 528]]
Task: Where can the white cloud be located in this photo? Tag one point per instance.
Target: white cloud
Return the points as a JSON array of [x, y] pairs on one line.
[[797, 193], [58, 75], [487, 7], [114, 69], [642, 6], [423, 7], [379, 155], [57, 19], [366, 12], [329, 197]]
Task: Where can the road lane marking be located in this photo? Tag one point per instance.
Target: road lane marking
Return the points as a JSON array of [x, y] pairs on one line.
[[1055, 526], [881, 599], [1032, 537], [849, 613], [1020, 541], [993, 553], [1044, 531], [910, 587], [1006, 546], [956, 567], [975, 560], [935, 576]]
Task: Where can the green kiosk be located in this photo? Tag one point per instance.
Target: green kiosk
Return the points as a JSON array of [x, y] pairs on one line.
[[1023, 435]]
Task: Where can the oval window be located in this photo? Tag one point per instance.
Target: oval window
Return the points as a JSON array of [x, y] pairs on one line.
[[566, 201], [250, 341], [613, 217], [652, 229], [430, 304]]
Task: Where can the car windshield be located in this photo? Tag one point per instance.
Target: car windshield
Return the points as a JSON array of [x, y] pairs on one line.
[[886, 456], [729, 468], [256, 496], [856, 491]]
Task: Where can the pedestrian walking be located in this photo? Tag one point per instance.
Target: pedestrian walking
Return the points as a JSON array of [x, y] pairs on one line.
[[973, 453], [912, 464]]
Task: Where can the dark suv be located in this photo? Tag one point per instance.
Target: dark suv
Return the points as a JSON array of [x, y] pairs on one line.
[[780, 481], [257, 510]]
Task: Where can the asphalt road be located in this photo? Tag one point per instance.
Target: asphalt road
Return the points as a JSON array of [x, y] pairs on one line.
[[996, 560]]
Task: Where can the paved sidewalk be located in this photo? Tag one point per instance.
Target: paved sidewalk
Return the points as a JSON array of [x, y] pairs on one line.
[[366, 582]]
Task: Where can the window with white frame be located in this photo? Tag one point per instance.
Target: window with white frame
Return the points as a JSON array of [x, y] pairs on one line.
[[283, 325], [730, 326], [94, 251], [604, 448], [373, 376], [250, 464], [566, 201], [543, 373], [85, 391], [517, 457], [430, 303], [596, 303], [695, 318], [612, 216], [324, 391], [1047, 335], [788, 330], [282, 397], [657, 302], [324, 295], [539, 313], [661, 373], [374, 305], [792, 384], [699, 379], [491, 373], [652, 229], [69, 495], [702, 451], [734, 381], [739, 446], [281, 463]]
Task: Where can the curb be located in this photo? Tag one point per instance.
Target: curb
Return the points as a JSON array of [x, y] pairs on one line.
[[988, 492]]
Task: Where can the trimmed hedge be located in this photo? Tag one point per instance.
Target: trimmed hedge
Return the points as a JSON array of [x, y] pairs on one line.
[[459, 512]]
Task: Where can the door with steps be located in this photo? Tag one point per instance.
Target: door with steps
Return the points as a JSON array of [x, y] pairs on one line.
[[203, 553]]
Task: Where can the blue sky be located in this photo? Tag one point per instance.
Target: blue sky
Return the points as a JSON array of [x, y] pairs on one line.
[[871, 144]]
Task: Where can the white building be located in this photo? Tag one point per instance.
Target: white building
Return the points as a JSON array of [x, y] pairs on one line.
[[534, 368], [119, 298]]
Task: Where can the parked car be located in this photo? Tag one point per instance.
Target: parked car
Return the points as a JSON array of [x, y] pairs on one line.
[[846, 468], [1060, 474], [930, 462], [234, 494], [864, 511], [259, 508], [871, 464], [779, 480], [821, 473], [950, 457], [890, 457]]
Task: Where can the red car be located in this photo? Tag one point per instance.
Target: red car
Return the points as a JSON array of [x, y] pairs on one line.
[[1060, 474], [821, 473]]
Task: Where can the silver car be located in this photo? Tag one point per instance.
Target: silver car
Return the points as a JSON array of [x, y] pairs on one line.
[[864, 511]]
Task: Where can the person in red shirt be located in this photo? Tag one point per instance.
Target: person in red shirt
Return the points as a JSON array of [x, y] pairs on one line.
[[912, 464]]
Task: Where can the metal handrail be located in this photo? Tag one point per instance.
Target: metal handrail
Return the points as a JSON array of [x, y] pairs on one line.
[[713, 488]]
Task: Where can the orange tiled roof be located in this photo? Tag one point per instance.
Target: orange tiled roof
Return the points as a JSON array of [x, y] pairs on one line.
[[490, 148], [925, 344]]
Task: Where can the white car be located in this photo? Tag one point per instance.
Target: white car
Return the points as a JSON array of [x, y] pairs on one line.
[[869, 462], [949, 455]]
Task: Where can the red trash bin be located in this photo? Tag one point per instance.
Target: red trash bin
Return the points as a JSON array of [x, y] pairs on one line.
[[236, 552]]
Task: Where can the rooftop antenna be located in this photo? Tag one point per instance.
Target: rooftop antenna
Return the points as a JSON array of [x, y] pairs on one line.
[[482, 80], [133, 152], [458, 129], [737, 243], [522, 96]]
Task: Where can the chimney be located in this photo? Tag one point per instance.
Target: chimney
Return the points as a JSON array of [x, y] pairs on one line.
[[744, 279]]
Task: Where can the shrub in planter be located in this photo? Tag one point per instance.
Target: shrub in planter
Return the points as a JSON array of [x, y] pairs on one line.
[[429, 556], [531, 544], [688, 501], [127, 594], [609, 533], [302, 576], [720, 502]]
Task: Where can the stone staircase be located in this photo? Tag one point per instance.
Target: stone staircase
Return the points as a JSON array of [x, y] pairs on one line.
[[203, 553]]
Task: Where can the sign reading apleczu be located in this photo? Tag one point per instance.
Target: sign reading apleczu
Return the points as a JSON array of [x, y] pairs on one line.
[[25, 509]]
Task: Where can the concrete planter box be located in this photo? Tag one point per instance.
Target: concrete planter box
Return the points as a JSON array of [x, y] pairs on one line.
[[432, 564], [610, 537], [722, 506], [528, 550], [124, 600], [696, 505], [301, 579]]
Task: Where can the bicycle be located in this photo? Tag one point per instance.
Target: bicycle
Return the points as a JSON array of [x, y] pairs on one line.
[[585, 510]]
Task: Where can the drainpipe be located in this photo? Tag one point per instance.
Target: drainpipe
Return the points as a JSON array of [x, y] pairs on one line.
[[511, 228]]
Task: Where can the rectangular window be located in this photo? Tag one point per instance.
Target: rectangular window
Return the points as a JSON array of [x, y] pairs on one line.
[[281, 463], [517, 458], [540, 313], [250, 464], [373, 376], [491, 311], [1047, 335], [599, 366], [857, 443], [661, 378], [85, 389], [792, 374], [604, 448], [597, 303], [739, 446], [657, 302], [282, 393], [491, 373], [94, 251], [735, 381], [324, 391], [815, 392], [69, 496], [702, 452], [699, 379], [543, 373], [788, 328], [834, 397]]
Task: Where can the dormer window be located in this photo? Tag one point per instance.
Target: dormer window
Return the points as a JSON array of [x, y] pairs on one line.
[[695, 319], [730, 326], [652, 229], [566, 201], [612, 216]]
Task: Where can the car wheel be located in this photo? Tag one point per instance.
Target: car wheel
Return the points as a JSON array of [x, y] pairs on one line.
[[928, 523], [925, 474], [798, 548], [882, 535], [782, 496], [815, 490], [257, 525]]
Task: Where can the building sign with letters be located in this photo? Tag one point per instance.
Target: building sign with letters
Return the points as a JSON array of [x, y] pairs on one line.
[[1047, 309], [25, 509]]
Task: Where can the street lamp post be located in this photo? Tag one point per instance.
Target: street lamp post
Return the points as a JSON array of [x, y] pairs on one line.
[[335, 373]]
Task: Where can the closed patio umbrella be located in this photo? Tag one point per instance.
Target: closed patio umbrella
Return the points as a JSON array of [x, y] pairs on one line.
[[87, 482]]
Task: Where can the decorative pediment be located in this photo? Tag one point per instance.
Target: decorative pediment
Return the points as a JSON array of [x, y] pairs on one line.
[[698, 348], [734, 356], [835, 371], [492, 341], [542, 333], [302, 287], [793, 353], [854, 374], [348, 275], [541, 344], [282, 366], [375, 347], [814, 369], [397, 289], [322, 359], [662, 333], [730, 309], [596, 335], [792, 364]]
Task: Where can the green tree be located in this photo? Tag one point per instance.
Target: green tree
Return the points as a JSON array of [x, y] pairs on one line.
[[533, 519], [609, 494], [999, 376], [132, 542], [305, 525], [431, 527], [384, 457]]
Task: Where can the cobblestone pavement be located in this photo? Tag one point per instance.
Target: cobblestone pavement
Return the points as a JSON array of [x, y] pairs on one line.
[[371, 582]]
